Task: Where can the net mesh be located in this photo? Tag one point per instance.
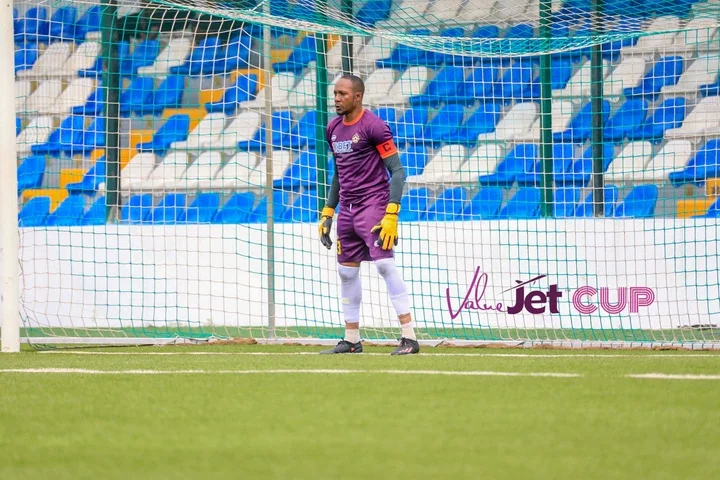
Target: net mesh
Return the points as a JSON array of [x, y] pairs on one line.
[[195, 118]]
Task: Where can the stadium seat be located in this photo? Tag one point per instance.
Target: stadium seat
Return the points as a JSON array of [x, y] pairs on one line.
[[243, 89], [69, 133], [581, 171], [36, 132], [92, 179], [482, 121], [666, 71], [578, 87], [627, 119], [96, 70], [93, 138], [281, 202], [30, 172], [447, 160], [446, 121], [565, 201], [304, 53], [648, 45], [281, 127], [669, 114], [477, 84], [82, 59], [69, 213], [627, 74], [389, 116], [233, 55], [524, 204], [560, 73], [136, 95], [43, 97], [280, 85], [33, 27], [169, 209], [211, 126], [172, 55], [482, 161], [485, 204], [88, 23], [377, 48], [167, 173], [513, 82], [703, 165], [561, 115], [404, 55], [517, 121], [518, 162], [174, 129], [34, 212], [441, 89], [27, 55], [96, 214], [696, 37], [671, 158], [448, 206], [639, 203], [702, 121], [443, 11], [199, 174], [237, 172], [136, 171], [633, 158], [242, 128], [74, 95], [378, 85], [201, 60], [413, 159], [563, 154], [167, 95], [713, 211], [610, 196], [414, 204], [303, 133], [372, 12], [143, 55], [94, 104], [410, 125], [201, 210], [580, 126], [334, 57], [703, 71], [138, 209], [301, 173], [304, 209], [410, 83]]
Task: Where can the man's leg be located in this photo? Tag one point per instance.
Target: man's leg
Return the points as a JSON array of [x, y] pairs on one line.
[[351, 298], [401, 302]]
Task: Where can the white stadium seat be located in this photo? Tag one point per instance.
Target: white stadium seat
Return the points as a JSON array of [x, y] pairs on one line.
[[516, 122]]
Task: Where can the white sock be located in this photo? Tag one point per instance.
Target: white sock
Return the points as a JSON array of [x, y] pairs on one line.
[[351, 292], [395, 285], [352, 336], [408, 330]]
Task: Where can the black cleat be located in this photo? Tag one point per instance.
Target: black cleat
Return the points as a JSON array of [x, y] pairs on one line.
[[344, 346], [407, 346]]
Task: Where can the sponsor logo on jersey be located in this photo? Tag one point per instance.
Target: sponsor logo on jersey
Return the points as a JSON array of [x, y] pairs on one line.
[[342, 147]]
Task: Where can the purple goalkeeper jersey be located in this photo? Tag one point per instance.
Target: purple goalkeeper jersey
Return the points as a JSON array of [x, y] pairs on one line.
[[359, 148]]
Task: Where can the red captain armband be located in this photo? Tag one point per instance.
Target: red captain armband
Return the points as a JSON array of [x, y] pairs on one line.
[[386, 149]]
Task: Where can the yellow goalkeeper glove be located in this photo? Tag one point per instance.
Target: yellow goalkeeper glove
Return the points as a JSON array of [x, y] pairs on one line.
[[325, 225], [388, 227]]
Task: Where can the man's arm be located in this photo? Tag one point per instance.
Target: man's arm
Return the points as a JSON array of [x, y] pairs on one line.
[[397, 181], [333, 197]]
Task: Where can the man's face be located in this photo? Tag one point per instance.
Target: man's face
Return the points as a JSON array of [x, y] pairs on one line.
[[345, 97]]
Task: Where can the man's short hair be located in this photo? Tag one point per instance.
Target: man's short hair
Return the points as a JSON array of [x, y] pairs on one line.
[[357, 84]]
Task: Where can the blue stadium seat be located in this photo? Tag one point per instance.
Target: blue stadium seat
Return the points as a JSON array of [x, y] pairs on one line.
[[281, 201], [372, 12], [628, 118], [389, 116], [93, 137], [34, 213], [710, 89], [519, 161], [524, 204], [304, 53], [281, 126], [88, 23], [666, 71], [301, 173], [404, 55], [563, 154], [96, 214], [485, 204], [448, 206], [138, 209], [565, 201], [670, 114], [136, 95], [69, 133], [304, 209], [33, 27], [414, 204], [244, 89], [446, 121], [610, 196], [703, 165], [483, 120], [201, 210], [62, 25], [168, 95], [442, 88], [25, 57], [513, 82], [94, 105], [561, 71], [582, 168], [237, 209], [234, 55], [201, 59], [413, 159], [168, 209], [410, 125], [68, 214], [96, 71], [91, 180], [18, 126], [477, 84], [143, 55], [436, 59], [175, 129], [303, 133], [580, 126], [482, 31], [639, 203], [30, 172]]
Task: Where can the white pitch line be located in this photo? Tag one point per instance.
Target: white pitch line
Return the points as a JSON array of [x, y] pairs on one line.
[[507, 355], [471, 373], [669, 376]]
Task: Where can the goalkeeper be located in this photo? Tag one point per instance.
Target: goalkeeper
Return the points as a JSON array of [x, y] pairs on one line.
[[367, 221]]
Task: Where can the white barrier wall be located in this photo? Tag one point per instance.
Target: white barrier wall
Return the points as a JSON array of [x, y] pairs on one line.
[[216, 274]]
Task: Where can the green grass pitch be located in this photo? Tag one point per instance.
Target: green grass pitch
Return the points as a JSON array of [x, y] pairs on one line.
[[283, 412]]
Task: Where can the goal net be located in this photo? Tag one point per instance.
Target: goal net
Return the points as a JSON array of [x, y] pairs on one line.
[[561, 160]]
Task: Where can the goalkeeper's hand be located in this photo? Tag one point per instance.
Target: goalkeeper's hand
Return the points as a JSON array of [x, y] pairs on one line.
[[325, 225], [388, 227]]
